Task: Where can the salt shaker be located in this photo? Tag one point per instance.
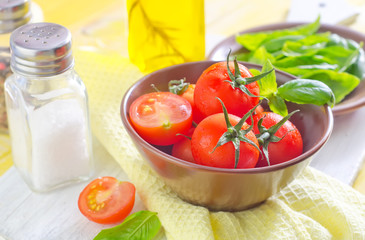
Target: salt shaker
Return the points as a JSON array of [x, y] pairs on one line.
[[13, 14], [47, 109]]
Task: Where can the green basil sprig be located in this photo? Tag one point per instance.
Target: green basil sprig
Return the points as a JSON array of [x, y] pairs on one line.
[[140, 225], [301, 91]]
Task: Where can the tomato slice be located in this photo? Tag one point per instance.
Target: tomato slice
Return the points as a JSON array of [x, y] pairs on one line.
[[159, 116], [106, 200]]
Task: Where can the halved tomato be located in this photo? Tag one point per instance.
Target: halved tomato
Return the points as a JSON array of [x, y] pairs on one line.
[[106, 200], [158, 117]]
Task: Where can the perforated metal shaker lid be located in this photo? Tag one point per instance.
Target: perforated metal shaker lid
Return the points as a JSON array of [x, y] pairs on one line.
[[14, 13], [41, 49]]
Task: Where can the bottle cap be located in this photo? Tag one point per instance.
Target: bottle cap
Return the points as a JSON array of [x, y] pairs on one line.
[[41, 49], [14, 13]]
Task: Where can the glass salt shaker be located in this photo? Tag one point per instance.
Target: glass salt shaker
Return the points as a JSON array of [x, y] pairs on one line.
[[13, 14], [47, 109]]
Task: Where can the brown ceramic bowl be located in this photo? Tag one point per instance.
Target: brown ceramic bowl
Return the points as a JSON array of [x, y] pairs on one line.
[[226, 189], [352, 102]]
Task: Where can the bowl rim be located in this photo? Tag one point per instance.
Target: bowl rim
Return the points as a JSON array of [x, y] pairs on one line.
[[338, 109], [129, 128]]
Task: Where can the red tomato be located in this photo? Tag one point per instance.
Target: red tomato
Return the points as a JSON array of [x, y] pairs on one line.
[[159, 116], [182, 149], [289, 147], [206, 136], [213, 83], [189, 95], [106, 200], [259, 109]]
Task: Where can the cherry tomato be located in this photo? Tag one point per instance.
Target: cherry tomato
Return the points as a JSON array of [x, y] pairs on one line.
[[287, 148], [106, 200], [213, 83], [206, 136], [159, 116], [259, 109], [182, 149], [189, 95]]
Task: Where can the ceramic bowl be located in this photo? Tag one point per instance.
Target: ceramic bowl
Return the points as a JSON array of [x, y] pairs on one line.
[[352, 102], [226, 189]]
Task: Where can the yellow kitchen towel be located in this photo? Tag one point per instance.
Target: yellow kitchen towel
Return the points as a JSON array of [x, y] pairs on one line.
[[314, 206]]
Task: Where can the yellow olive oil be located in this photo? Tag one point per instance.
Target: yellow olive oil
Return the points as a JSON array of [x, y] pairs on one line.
[[165, 32]]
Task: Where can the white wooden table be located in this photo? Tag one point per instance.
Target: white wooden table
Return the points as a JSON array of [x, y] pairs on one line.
[[25, 215]]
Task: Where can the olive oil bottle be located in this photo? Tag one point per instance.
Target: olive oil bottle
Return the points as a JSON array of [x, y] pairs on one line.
[[164, 33]]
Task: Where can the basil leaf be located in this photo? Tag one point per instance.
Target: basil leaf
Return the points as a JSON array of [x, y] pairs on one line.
[[306, 91], [277, 105], [354, 64], [307, 46], [350, 59], [254, 71], [336, 54], [315, 39], [278, 43], [244, 57], [298, 49], [140, 225], [337, 40], [341, 84], [252, 41], [358, 67], [267, 84], [304, 69], [260, 56], [300, 60]]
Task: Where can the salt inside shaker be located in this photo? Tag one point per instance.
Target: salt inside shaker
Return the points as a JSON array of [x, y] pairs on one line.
[[47, 109]]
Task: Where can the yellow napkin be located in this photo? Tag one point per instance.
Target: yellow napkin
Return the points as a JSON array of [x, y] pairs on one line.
[[314, 206]]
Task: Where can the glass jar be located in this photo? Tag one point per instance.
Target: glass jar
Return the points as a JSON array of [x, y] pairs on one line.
[[47, 109], [13, 14]]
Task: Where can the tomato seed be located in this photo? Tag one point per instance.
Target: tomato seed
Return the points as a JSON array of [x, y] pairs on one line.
[[147, 109], [151, 100]]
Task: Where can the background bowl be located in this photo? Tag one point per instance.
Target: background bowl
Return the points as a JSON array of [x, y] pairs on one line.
[[226, 189], [353, 101]]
